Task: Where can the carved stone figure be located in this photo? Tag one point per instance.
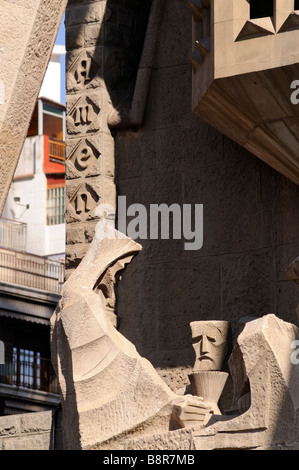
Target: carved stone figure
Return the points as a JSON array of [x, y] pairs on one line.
[[190, 412], [113, 398], [209, 385], [210, 342], [265, 374], [107, 388]]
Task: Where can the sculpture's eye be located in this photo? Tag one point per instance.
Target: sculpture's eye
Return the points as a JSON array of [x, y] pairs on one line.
[[197, 339], [211, 339]]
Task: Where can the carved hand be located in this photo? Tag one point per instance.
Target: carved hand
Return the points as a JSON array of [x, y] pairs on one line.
[[190, 411]]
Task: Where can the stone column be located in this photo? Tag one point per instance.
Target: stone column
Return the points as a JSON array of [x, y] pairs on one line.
[[89, 144], [104, 40]]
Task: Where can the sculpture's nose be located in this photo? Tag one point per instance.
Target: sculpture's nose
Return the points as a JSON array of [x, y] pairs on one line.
[[204, 344]]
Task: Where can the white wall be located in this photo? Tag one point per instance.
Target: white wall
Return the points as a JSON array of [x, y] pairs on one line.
[[51, 87], [55, 239], [31, 189], [31, 158], [32, 193], [30, 182]]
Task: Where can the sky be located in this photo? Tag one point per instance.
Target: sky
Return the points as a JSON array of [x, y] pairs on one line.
[[60, 40]]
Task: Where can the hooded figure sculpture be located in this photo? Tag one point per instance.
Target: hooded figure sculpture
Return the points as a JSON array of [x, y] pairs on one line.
[[106, 387]]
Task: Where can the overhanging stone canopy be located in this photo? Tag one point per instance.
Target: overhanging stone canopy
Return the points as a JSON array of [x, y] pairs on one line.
[[245, 73]]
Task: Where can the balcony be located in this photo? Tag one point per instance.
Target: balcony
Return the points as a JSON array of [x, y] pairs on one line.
[[56, 150], [31, 271], [13, 234], [26, 369], [245, 63]]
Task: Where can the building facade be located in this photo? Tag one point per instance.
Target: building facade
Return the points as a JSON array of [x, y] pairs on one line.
[[32, 239]]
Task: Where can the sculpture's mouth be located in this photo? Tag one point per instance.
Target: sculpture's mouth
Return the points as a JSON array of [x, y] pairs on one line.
[[205, 358], [206, 362]]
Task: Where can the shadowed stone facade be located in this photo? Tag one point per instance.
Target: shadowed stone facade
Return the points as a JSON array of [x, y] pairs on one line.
[[250, 218]]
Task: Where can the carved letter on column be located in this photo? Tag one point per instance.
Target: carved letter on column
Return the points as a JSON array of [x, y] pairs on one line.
[[89, 169]]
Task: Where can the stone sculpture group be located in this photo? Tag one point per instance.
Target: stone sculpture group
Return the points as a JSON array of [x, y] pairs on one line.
[[111, 396]]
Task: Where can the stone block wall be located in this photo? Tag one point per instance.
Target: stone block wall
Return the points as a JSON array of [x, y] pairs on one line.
[[250, 218], [250, 212], [31, 431]]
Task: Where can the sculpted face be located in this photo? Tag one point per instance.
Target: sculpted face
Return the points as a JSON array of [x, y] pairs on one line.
[[105, 286], [209, 339]]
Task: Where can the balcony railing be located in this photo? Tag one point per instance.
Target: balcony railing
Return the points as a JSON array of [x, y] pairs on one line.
[[56, 151], [31, 271], [13, 234], [24, 368]]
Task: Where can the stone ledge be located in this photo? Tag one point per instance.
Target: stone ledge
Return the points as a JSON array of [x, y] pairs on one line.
[[31, 431]]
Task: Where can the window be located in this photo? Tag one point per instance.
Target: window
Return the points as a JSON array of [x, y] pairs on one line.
[[47, 119], [55, 206], [261, 8], [53, 126], [53, 121], [27, 368], [296, 6]]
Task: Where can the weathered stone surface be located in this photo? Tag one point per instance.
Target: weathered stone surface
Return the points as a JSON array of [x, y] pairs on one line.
[[94, 12], [31, 431], [293, 274], [28, 31], [163, 111], [293, 271]]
